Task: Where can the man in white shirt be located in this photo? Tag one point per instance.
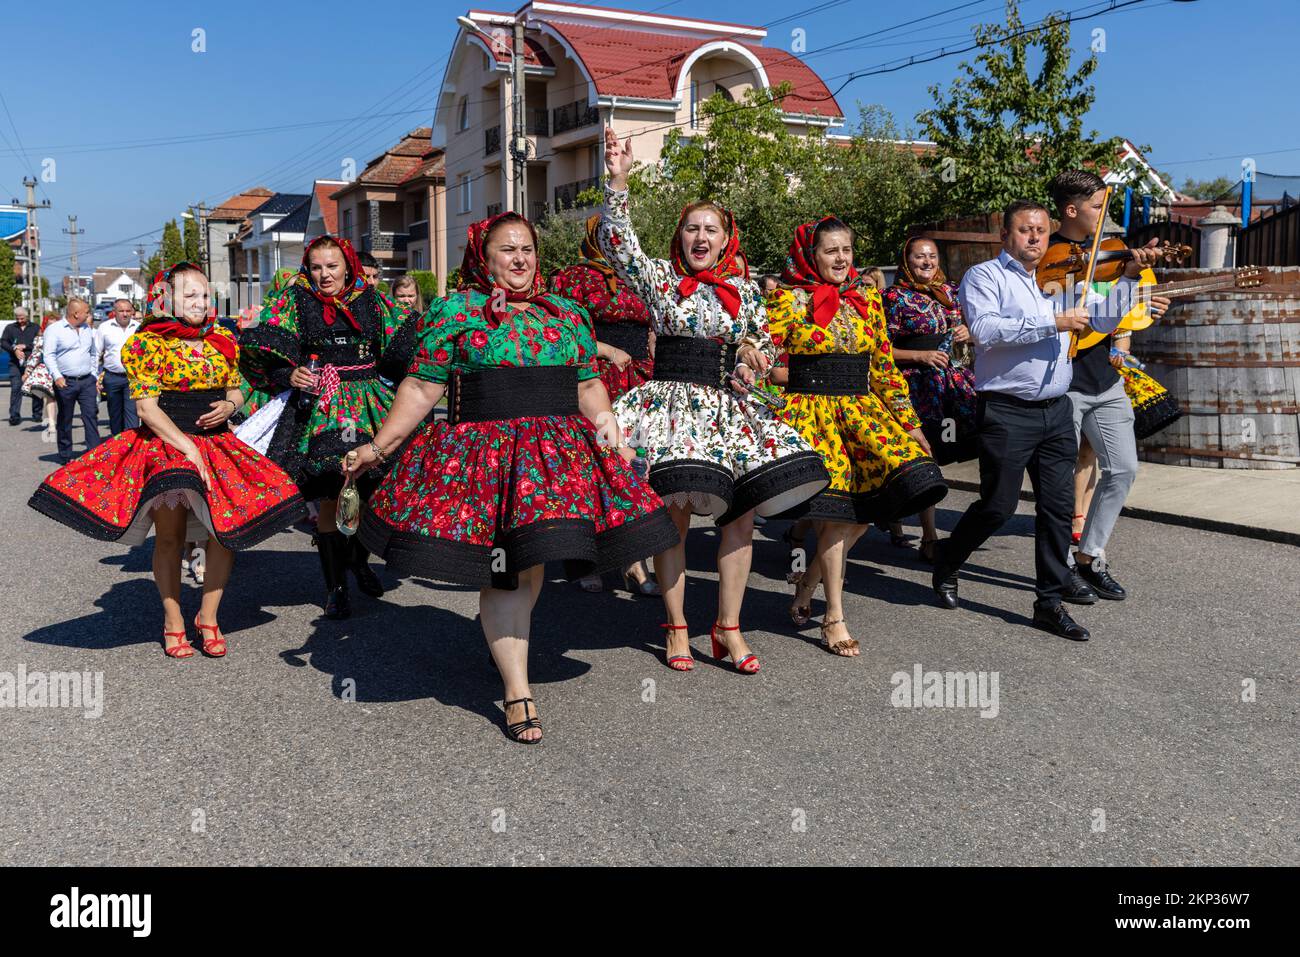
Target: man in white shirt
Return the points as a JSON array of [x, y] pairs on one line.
[[71, 353], [121, 325], [1026, 422]]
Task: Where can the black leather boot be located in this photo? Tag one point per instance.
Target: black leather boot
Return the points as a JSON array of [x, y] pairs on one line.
[[333, 562], [367, 580]]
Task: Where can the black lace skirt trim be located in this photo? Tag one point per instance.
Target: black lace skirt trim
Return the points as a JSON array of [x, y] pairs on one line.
[[1157, 415], [574, 542], [776, 478]]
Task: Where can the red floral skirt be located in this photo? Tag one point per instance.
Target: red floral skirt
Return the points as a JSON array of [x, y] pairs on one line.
[[617, 381], [477, 502], [110, 492]]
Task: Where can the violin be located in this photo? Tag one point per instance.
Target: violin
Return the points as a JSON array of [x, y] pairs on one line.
[[1067, 262]]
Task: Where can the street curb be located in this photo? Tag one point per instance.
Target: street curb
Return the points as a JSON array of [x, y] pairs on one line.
[[1172, 518]]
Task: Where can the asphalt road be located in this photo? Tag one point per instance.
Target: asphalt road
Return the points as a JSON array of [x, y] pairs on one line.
[[1136, 748]]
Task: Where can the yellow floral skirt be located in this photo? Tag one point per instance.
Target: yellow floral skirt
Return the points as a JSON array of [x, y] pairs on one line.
[[878, 471]]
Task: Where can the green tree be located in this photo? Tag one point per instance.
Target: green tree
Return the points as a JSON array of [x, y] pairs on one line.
[[1208, 189], [190, 240], [173, 247], [1003, 131], [9, 293]]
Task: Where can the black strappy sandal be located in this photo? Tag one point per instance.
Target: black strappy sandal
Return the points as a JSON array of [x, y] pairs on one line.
[[519, 727]]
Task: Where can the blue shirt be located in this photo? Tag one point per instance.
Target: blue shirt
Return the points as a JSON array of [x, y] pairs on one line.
[[67, 351], [1018, 349]]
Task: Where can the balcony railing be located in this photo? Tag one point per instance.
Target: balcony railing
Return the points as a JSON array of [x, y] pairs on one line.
[[492, 141], [418, 232], [539, 121], [537, 210], [384, 242], [572, 116], [494, 209], [566, 196]]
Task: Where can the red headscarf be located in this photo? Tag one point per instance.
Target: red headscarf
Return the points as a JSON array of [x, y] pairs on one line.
[[731, 262], [936, 288], [159, 318], [801, 273], [474, 273], [354, 283]]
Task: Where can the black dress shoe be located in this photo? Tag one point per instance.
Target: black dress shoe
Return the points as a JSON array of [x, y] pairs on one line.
[[15, 421], [1101, 582], [944, 582], [338, 604], [1057, 620], [1079, 592]]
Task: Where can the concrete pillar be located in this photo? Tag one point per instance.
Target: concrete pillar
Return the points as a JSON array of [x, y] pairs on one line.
[[1218, 246]]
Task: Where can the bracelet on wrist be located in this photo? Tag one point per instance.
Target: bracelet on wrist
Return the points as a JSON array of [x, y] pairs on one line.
[[379, 453]]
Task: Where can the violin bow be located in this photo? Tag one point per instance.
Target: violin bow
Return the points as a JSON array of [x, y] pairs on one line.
[[1092, 262]]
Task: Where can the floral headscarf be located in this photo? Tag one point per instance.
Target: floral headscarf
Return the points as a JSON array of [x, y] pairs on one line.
[[731, 262], [354, 282], [936, 288], [159, 314], [801, 273], [474, 272]]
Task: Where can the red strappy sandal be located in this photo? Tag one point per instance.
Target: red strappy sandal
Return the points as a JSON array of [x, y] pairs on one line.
[[182, 649], [1076, 537], [679, 662], [747, 665], [214, 647]]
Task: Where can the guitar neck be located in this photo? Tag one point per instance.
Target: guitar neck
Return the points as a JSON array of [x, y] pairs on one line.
[[1189, 287]]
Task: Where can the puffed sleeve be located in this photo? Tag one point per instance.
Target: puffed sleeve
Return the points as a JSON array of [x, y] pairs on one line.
[[618, 241], [270, 348], [435, 337], [585, 337], [894, 312], [886, 381], [783, 311], [753, 313], [143, 357], [232, 379]]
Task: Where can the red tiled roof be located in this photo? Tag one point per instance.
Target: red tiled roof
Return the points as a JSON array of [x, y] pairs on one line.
[[241, 204], [396, 165], [433, 164], [534, 54], [644, 64], [329, 209]]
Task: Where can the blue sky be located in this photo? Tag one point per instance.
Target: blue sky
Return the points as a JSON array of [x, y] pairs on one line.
[[102, 88]]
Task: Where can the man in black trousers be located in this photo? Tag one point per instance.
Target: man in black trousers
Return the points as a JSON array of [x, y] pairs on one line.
[[18, 338], [1021, 337]]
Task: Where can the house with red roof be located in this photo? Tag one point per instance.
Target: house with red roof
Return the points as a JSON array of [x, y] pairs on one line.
[[645, 74], [396, 208]]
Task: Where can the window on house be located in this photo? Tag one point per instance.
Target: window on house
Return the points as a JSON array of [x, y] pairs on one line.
[[466, 193], [695, 102], [462, 116], [347, 224], [417, 258]]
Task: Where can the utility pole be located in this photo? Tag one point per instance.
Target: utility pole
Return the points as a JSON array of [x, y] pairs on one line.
[[34, 242], [519, 135], [202, 212], [73, 231]]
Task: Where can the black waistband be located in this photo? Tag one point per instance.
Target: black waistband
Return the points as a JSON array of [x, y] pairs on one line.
[[352, 354], [688, 359], [631, 338], [922, 342], [513, 393], [184, 408], [1016, 400], [834, 374]]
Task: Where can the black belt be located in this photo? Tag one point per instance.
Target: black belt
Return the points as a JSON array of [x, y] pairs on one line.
[[508, 393], [75, 378], [183, 408], [921, 342], [835, 374], [628, 336], [1016, 400], [688, 359], [353, 354]]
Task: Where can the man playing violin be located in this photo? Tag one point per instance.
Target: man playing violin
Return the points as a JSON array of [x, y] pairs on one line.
[[1102, 410], [1021, 339]]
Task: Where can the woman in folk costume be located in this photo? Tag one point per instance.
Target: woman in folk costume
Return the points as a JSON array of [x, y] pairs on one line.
[[332, 316], [518, 475], [930, 338], [711, 449], [183, 471], [624, 345], [849, 401]]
